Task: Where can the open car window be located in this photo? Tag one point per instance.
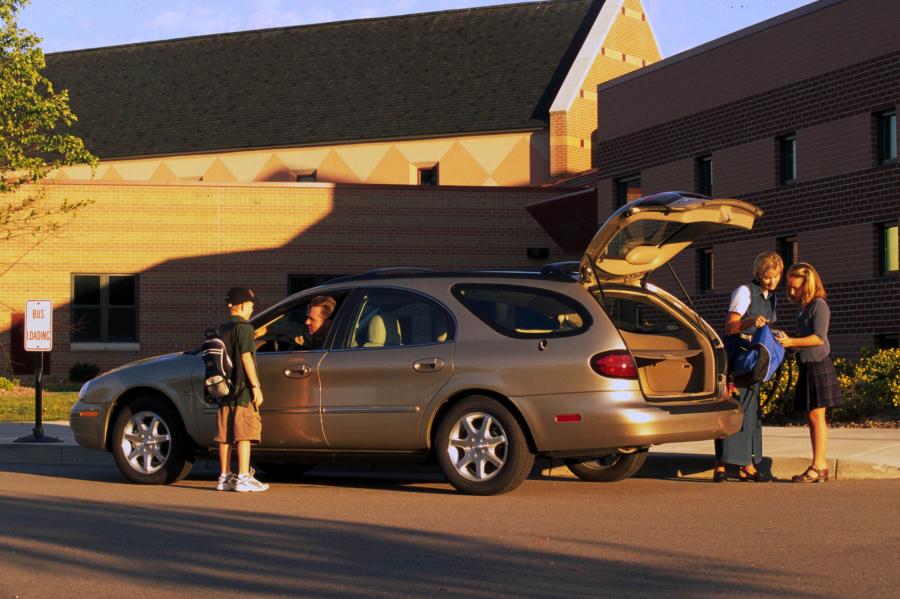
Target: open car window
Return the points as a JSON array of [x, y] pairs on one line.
[[285, 329]]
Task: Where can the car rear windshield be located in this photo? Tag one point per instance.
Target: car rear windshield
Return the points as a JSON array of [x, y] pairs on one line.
[[524, 312]]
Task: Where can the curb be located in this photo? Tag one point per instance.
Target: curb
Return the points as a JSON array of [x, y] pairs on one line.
[[658, 464]]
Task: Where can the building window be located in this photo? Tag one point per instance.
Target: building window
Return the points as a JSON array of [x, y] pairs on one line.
[[104, 308], [627, 189], [787, 151], [428, 176], [706, 277], [886, 127], [888, 249], [787, 159], [787, 249], [704, 166], [307, 176]]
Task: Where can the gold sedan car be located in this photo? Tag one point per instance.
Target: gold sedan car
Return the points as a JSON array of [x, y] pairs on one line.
[[480, 371]]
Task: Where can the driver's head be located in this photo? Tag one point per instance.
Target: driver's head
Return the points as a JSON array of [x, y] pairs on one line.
[[318, 313]]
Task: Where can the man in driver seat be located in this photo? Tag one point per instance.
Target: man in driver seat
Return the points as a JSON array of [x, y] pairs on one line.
[[318, 322]]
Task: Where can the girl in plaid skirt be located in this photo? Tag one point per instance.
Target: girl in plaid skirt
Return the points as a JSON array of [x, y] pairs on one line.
[[817, 385]]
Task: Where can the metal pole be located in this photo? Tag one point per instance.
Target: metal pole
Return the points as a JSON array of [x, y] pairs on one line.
[[38, 399]]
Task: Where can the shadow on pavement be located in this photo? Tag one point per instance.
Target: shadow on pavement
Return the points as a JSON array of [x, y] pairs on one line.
[[231, 551]]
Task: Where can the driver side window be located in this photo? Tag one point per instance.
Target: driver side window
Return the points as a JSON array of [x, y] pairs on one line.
[[289, 330]]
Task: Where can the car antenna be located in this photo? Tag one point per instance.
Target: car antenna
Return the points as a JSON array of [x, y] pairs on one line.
[[678, 280]]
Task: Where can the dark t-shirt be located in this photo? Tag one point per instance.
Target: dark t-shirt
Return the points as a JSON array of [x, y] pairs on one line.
[[814, 320], [243, 339]]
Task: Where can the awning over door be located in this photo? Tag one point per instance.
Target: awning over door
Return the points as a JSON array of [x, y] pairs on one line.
[[570, 219]]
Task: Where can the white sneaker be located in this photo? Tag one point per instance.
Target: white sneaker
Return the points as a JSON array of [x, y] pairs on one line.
[[246, 483], [226, 482]]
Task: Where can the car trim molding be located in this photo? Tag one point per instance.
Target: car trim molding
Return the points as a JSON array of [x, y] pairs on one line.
[[371, 410]]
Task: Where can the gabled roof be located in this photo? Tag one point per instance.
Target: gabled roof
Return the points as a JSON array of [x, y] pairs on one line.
[[462, 71]]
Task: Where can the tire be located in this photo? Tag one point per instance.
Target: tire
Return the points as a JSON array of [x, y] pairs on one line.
[[284, 471], [149, 443], [481, 448], [608, 468]]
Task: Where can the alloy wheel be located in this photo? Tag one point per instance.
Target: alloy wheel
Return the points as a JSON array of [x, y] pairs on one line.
[[477, 446], [146, 442]]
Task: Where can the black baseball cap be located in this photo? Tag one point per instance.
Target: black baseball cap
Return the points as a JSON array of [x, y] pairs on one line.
[[239, 295]]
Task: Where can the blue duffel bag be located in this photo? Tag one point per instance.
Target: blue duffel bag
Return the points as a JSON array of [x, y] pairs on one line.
[[761, 360]]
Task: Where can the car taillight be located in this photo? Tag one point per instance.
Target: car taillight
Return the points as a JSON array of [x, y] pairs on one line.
[[616, 364]]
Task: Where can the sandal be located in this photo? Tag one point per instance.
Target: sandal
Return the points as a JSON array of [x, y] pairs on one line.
[[812, 475], [720, 476], [755, 477]]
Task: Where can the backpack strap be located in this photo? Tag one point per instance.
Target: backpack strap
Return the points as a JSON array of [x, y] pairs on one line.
[[229, 335]]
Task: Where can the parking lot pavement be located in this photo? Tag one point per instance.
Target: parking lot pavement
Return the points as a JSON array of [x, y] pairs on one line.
[[854, 453]]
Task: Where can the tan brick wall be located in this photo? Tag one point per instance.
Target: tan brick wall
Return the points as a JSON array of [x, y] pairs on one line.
[[629, 45], [189, 243], [489, 160]]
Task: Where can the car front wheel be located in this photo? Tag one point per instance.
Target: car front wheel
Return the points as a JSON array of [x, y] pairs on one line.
[[481, 448], [607, 468], [149, 443]]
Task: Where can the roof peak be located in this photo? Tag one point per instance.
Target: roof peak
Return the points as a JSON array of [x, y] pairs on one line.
[[521, 4]]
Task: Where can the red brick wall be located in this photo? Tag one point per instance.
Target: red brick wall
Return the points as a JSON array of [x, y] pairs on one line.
[[840, 194]]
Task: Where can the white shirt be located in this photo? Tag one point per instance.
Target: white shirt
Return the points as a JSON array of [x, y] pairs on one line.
[[740, 300]]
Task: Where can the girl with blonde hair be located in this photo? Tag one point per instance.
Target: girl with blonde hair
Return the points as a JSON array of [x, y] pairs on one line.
[[752, 306], [817, 385]]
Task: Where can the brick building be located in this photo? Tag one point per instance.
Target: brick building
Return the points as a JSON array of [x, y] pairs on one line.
[[280, 157], [797, 115]]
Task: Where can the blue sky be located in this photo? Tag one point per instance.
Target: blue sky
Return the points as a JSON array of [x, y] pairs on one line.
[[75, 24]]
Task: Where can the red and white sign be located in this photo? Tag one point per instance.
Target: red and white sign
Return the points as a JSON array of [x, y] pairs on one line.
[[38, 325]]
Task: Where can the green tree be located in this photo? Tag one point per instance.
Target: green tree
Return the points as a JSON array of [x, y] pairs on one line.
[[34, 134]]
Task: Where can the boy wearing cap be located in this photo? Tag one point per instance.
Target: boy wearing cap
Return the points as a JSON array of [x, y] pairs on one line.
[[238, 418]]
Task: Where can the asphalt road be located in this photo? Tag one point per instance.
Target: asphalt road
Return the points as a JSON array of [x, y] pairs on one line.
[[85, 532]]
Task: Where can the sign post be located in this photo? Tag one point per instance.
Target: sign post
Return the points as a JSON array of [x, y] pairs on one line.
[[38, 339]]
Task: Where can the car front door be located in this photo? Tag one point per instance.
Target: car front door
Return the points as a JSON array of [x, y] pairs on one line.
[[394, 355], [291, 410]]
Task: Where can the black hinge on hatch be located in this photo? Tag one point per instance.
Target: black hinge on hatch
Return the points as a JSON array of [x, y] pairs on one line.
[[678, 280]]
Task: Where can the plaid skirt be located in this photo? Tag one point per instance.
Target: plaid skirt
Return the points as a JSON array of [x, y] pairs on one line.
[[817, 386]]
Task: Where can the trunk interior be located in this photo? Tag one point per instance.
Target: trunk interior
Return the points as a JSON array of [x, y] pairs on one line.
[[673, 357]]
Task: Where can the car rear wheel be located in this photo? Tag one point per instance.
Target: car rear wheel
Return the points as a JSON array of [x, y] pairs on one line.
[[607, 468], [481, 448], [149, 443], [284, 470]]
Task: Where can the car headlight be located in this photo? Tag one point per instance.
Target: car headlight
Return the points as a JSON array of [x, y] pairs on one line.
[[84, 390]]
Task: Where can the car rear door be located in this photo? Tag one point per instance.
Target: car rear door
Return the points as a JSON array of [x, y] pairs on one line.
[[393, 356]]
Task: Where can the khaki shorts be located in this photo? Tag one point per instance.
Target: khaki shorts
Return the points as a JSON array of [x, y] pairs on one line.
[[239, 423]]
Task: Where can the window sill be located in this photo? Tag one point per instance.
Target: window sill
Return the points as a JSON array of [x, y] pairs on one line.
[[94, 346]]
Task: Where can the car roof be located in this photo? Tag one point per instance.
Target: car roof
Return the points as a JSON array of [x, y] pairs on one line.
[[563, 272]]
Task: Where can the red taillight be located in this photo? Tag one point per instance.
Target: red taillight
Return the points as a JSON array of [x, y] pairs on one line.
[[615, 364]]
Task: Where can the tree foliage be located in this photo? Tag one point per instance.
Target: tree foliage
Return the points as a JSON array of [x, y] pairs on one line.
[[34, 133]]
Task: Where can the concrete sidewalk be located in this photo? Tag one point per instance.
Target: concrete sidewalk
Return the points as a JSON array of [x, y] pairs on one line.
[[854, 453]]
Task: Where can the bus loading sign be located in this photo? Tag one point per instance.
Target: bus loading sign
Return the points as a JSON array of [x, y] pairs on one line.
[[38, 325]]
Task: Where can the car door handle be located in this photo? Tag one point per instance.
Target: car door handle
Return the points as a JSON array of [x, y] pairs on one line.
[[297, 371], [428, 365]]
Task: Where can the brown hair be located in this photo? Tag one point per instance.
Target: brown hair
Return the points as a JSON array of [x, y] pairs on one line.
[[812, 282], [767, 261], [327, 303]]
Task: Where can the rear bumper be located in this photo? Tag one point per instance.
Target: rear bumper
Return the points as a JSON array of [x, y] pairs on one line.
[[614, 419]]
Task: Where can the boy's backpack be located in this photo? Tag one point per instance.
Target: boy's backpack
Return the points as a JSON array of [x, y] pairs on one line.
[[218, 354]]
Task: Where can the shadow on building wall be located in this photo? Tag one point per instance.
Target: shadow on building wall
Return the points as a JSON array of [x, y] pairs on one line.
[[258, 237]]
